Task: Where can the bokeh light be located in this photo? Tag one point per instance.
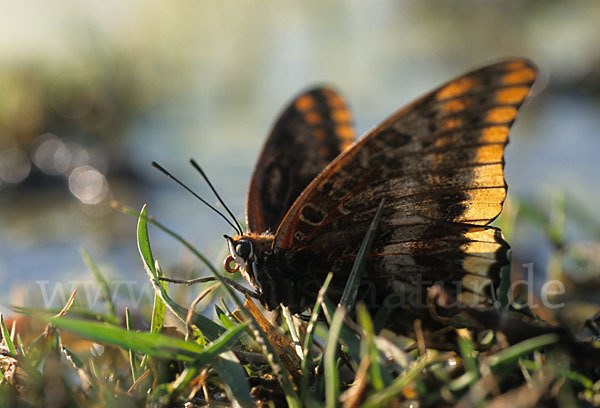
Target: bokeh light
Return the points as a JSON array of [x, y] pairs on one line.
[[51, 155], [14, 165], [88, 185]]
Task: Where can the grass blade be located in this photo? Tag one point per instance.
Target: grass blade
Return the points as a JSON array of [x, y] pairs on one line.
[[382, 397], [293, 329], [104, 288], [206, 325], [234, 378], [210, 329], [132, 358], [511, 355], [309, 339], [467, 351], [375, 367], [154, 344], [7, 339], [151, 220], [332, 386], [159, 307], [225, 320], [351, 289], [348, 337]]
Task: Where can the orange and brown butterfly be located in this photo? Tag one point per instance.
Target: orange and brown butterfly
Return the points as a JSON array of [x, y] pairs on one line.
[[438, 163]]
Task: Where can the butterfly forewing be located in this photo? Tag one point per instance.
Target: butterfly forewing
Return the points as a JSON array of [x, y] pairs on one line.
[[310, 133], [439, 165]]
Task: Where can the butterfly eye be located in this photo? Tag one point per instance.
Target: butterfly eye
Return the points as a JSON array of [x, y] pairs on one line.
[[244, 249], [228, 262]]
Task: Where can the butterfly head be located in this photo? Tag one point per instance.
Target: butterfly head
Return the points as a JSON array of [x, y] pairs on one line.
[[246, 252], [241, 251]]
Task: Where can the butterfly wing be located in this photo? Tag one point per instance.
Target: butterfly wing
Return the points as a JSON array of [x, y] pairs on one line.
[[308, 135], [438, 163]]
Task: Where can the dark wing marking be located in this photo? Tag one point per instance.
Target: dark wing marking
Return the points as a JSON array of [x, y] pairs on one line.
[[314, 129], [408, 258], [439, 165]]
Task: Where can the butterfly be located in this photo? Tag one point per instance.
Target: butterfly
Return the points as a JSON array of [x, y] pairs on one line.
[[438, 164]]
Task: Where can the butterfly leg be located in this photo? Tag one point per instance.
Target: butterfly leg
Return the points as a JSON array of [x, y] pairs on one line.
[[437, 296]]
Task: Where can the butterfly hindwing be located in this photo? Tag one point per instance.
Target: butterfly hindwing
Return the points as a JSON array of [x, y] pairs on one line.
[[308, 135], [439, 165]]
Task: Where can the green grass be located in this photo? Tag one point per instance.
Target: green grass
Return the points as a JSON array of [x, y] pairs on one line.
[[234, 359]]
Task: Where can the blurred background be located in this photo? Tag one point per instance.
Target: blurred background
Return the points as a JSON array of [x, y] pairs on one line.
[[92, 92]]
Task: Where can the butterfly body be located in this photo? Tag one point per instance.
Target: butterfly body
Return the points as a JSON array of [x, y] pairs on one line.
[[438, 163]]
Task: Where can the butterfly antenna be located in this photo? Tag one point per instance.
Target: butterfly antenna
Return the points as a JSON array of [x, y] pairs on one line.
[[168, 174], [197, 167]]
